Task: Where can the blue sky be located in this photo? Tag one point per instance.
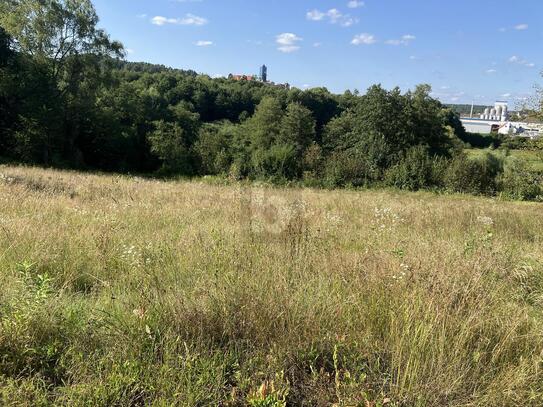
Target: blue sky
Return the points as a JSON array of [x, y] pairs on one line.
[[468, 50]]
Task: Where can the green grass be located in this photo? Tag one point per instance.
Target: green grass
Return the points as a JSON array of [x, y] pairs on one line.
[[534, 159], [124, 291]]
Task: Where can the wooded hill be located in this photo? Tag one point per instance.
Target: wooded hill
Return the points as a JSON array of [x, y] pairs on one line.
[[68, 99]]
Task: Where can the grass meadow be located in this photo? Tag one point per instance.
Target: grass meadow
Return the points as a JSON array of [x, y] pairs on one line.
[[122, 291], [533, 159]]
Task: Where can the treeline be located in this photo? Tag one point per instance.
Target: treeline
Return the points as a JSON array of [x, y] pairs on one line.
[[465, 110], [67, 99]]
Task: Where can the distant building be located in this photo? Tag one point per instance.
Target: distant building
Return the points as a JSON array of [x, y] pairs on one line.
[[263, 77], [496, 120], [264, 73], [499, 112], [243, 77]]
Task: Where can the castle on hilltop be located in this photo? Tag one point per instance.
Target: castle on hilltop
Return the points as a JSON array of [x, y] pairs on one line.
[[262, 77]]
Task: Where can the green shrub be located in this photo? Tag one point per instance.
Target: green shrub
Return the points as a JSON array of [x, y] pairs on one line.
[[213, 148], [516, 143], [349, 168], [168, 142], [474, 176], [278, 162], [477, 140], [415, 171], [521, 183]]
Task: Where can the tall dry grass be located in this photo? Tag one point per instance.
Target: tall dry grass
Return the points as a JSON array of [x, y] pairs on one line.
[[125, 291]]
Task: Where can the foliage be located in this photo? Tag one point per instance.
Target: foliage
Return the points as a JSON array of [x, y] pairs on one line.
[[516, 143], [416, 171], [169, 143], [519, 182], [358, 166], [474, 176], [465, 110], [476, 140], [382, 130], [67, 100], [297, 128], [214, 148], [59, 53]]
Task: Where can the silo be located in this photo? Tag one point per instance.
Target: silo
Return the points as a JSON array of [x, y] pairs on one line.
[[487, 113], [492, 114], [499, 110]]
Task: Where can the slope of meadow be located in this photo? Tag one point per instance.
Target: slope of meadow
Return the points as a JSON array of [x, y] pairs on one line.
[[533, 159], [124, 291]]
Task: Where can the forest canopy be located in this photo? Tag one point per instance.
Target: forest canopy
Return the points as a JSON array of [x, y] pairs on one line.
[[68, 99]]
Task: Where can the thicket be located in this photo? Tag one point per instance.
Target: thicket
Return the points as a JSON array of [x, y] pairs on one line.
[[477, 140], [67, 99]]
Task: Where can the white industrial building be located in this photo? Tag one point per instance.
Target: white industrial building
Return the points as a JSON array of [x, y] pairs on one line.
[[496, 120]]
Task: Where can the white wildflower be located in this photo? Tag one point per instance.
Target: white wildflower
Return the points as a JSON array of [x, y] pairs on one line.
[[386, 218], [485, 220]]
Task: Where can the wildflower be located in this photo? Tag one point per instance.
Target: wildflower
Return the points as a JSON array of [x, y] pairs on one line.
[[139, 312], [131, 255], [386, 218], [485, 220]]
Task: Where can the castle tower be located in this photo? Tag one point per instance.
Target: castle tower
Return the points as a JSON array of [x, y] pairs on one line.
[[264, 73]]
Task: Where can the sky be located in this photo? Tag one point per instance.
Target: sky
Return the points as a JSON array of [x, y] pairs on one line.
[[468, 50]]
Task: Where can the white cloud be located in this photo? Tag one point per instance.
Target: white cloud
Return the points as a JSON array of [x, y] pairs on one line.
[[159, 20], [349, 21], [189, 19], [129, 51], [363, 39], [203, 43], [287, 49], [288, 42], [521, 27], [405, 40], [393, 42], [491, 71], [355, 4], [505, 95], [315, 15], [334, 16], [517, 60], [317, 44], [287, 38]]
